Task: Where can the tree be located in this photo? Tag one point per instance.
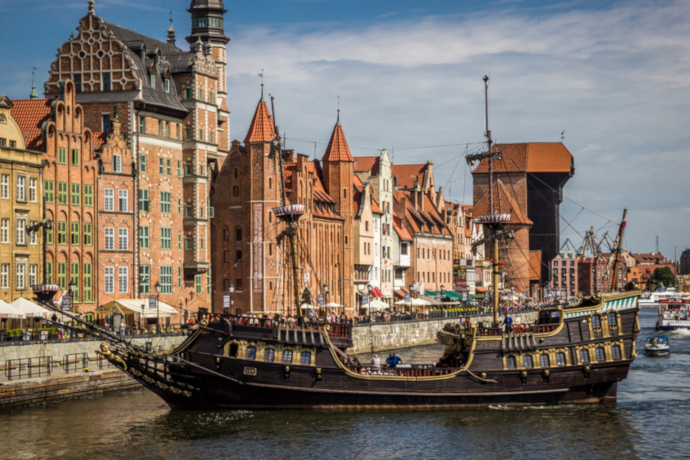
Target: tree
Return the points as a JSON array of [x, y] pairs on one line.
[[662, 275]]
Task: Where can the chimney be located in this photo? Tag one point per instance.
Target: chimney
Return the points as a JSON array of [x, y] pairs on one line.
[[395, 181], [288, 156]]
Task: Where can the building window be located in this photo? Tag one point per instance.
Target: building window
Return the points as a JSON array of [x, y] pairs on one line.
[[167, 166], [165, 202], [269, 355], [76, 194], [106, 82], [123, 200], [75, 277], [117, 163], [560, 359], [32, 190], [179, 277], [511, 363], [584, 356], [226, 234], [188, 134], [75, 157], [188, 93], [527, 361], [123, 239], [88, 195], [109, 197], [88, 234], [235, 190], [143, 200], [197, 284], [75, 234], [21, 188], [32, 235], [142, 163], [88, 282], [616, 352], [49, 190], [5, 233], [5, 276], [160, 127], [287, 357], [21, 231], [238, 284], [179, 241], [177, 130], [122, 279], [601, 355], [167, 85], [49, 273], [166, 280], [544, 361], [613, 320], [306, 358], [144, 237], [142, 125], [33, 275], [201, 134], [109, 233], [153, 81], [62, 232], [189, 244], [110, 280], [201, 94], [144, 279], [76, 78], [62, 275], [238, 234], [251, 352], [21, 273], [166, 238], [62, 155], [596, 321]]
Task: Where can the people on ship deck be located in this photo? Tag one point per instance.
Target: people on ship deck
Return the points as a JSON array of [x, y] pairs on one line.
[[376, 362]]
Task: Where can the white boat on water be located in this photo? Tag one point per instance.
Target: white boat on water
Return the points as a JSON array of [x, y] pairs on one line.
[[651, 299], [673, 314], [657, 346]]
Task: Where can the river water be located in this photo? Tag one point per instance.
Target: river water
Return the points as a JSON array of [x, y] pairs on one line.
[[650, 419]]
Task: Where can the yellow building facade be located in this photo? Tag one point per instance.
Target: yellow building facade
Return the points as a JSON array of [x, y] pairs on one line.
[[21, 205]]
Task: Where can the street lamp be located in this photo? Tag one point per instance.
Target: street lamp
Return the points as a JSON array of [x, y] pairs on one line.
[[158, 319], [232, 291], [181, 317], [325, 294]]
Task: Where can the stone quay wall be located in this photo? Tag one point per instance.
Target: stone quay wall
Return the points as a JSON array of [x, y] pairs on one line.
[[374, 337], [35, 349]]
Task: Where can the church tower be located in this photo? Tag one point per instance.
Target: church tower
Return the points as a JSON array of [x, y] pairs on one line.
[[207, 27]]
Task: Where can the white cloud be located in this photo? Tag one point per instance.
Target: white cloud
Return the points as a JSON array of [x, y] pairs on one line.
[[614, 79]]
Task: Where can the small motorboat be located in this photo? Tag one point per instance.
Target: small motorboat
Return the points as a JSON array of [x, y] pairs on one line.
[[657, 346]]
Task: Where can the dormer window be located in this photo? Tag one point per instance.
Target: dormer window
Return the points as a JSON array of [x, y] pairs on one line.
[[167, 85], [153, 81], [143, 54], [158, 58]]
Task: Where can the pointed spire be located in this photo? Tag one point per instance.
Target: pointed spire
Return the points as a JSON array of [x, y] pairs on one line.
[[337, 149], [171, 30], [92, 9], [262, 84], [337, 123], [33, 94], [261, 129]]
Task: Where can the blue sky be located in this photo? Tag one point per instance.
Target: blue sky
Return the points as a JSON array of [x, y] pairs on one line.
[[613, 75]]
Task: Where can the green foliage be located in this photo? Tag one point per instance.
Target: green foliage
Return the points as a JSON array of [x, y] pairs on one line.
[[662, 275]]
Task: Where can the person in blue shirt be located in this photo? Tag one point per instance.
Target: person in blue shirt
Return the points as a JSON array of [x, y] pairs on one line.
[[389, 360], [396, 360], [508, 321]]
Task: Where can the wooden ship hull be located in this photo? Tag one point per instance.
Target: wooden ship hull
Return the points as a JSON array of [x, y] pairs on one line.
[[577, 354]]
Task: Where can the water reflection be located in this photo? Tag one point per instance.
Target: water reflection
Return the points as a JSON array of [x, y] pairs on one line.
[[649, 419]]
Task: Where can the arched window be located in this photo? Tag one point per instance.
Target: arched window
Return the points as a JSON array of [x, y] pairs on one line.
[[613, 322], [238, 234], [251, 352], [616, 352], [235, 173], [601, 356], [511, 362], [527, 361], [544, 360], [306, 358], [287, 357], [269, 355], [560, 359], [596, 321], [584, 356]]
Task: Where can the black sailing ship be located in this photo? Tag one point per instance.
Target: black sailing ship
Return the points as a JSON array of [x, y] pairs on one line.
[[575, 353]]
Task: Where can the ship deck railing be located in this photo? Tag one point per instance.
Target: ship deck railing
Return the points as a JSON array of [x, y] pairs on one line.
[[416, 370], [517, 329], [337, 329]]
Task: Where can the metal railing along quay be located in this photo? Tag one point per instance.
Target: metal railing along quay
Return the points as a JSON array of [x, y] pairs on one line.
[[432, 316], [28, 367]]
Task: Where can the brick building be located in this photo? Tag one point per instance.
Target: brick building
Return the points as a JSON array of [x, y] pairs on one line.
[[594, 274], [173, 110], [57, 128], [565, 276], [534, 175], [245, 230]]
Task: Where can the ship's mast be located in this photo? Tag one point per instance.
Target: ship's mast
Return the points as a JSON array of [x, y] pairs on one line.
[[617, 250], [289, 214], [492, 220]]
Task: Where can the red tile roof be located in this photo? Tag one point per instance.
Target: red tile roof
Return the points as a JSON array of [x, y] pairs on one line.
[[261, 129], [337, 149], [375, 207], [655, 258], [407, 174], [532, 157], [367, 164], [30, 115], [504, 203], [357, 183], [400, 229]]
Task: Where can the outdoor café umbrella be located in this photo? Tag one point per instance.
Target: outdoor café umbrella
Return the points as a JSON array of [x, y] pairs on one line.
[[306, 306], [378, 305]]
